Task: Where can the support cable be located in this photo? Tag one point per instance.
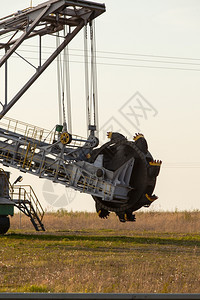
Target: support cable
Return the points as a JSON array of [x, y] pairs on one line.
[[63, 79], [64, 86], [88, 118], [64, 115], [59, 81], [68, 88], [93, 90], [91, 85], [95, 79], [92, 99]]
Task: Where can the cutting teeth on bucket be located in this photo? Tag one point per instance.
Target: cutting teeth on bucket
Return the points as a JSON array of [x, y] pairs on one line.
[[151, 198], [109, 134], [155, 163], [138, 136]]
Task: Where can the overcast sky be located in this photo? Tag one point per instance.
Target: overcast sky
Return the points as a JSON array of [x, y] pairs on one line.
[[148, 53]]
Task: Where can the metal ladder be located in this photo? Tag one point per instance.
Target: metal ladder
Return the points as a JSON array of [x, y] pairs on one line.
[[24, 198], [27, 202]]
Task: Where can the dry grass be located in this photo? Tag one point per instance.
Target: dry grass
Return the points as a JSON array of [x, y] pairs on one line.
[[160, 253], [179, 222]]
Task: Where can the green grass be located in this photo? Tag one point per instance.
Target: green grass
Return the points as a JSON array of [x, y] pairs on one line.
[[96, 240], [79, 252], [100, 261]]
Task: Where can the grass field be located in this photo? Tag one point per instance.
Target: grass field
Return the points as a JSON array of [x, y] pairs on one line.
[[160, 253]]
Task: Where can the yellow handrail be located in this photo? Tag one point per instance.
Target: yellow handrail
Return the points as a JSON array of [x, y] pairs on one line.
[[22, 191], [29, 194], [34, 132]]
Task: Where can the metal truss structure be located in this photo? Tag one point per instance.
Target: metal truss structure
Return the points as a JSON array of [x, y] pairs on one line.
[[120, 175], [47, 18], [61, 158]]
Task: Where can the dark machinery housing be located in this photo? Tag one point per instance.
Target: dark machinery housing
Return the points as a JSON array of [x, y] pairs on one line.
[[141, 180]]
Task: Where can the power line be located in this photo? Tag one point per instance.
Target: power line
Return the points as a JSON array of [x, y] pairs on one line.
[[128, 65], [128, 54], [130, 59], [126, 59]]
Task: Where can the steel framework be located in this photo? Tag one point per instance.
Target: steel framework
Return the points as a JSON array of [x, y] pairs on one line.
[[47, 18], [121, 174]]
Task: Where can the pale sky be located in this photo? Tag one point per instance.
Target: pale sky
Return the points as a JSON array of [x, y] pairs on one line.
[[147, 47]]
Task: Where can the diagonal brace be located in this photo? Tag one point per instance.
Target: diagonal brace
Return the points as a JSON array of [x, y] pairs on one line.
[[41, 69], [23, 36]]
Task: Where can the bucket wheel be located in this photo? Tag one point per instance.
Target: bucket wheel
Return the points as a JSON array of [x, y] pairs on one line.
[[143, 178]]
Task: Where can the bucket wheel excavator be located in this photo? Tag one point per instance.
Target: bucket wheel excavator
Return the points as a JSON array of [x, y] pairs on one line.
[[120, 175], [134, 168]]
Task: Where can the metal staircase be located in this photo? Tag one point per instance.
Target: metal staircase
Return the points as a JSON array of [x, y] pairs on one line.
[[27, 202], [24, 198]]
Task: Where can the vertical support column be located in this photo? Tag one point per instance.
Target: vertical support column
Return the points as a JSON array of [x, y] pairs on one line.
[[40, 51], [6, 81]]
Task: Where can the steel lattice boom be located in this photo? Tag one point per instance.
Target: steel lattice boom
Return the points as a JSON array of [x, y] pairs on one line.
[[45, 154], [47, 18]]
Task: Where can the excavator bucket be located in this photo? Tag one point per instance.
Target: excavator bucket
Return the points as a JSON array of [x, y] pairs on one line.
[[142, 177]]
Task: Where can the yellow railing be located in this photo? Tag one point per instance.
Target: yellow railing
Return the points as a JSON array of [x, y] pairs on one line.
[[27, 130], [26, 157], [35, 132], [25, 193], [106, 187]]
